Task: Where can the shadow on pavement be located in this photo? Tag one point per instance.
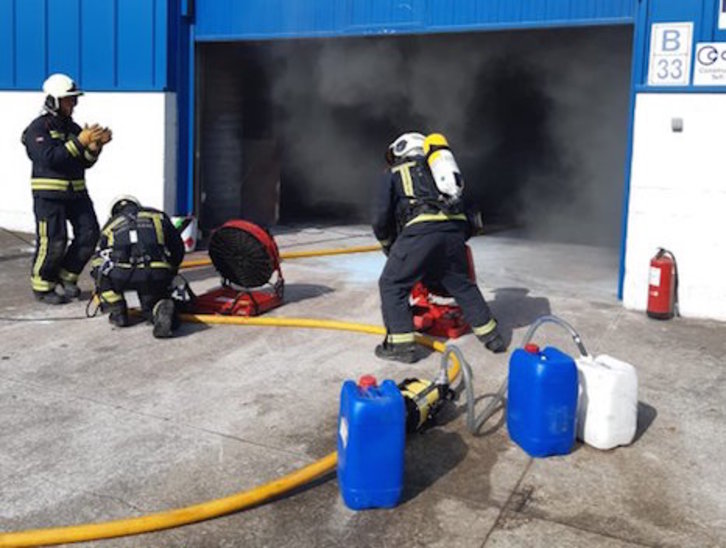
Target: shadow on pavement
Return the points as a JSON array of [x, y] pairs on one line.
[[646, 416], [514, 308], [300, 292], [429, 457]]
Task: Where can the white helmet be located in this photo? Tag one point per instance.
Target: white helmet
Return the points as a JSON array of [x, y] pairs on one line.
[[57, 86], [405, 146], [119, 202]]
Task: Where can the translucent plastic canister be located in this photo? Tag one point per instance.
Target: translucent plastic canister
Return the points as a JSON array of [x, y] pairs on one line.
[[607, 409]]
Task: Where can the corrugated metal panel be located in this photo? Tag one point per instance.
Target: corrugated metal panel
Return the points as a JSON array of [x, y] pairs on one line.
[[31, 67], [104, 44], [64, 40], [98, 67], [7, 39], [703, 14], [234, 19]]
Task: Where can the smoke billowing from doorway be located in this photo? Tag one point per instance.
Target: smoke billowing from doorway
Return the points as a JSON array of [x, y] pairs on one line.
[[536, 119]]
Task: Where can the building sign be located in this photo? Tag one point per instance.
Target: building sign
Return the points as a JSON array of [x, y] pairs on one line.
[[710, 64], [722, 15], [670, 54]]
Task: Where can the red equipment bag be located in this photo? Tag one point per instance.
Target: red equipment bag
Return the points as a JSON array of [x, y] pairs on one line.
[[433, 315], [246, 256]]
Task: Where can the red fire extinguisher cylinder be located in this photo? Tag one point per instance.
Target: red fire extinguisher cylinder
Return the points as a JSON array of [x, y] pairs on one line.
[[662, 286]]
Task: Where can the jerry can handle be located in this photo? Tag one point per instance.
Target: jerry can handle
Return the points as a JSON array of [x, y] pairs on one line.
[[562, 323]]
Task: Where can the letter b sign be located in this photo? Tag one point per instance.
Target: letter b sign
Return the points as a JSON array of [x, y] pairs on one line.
[[670, 54], [671, 41]]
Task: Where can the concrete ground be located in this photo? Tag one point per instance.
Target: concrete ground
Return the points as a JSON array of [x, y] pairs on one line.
[[99, 423]]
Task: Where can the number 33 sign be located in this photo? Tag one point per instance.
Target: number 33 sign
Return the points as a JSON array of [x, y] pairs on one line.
[[670, 54]]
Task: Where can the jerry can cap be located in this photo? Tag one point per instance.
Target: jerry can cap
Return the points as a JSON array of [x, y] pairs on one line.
[[531, 348], [367, 381]]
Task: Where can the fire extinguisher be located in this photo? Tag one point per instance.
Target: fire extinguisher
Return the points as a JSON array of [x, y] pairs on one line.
[[662, 286]]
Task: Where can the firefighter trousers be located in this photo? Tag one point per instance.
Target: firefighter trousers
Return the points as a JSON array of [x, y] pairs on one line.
[[437, 256], [150, 287], [54, 260]]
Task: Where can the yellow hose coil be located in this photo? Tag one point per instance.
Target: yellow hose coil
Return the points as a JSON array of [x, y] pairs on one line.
[[225, 505]]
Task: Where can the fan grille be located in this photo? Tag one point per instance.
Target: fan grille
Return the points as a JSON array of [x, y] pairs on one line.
[[240, 257]]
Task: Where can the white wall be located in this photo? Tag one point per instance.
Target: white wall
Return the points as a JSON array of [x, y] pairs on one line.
[[678, 199], [141, 159]]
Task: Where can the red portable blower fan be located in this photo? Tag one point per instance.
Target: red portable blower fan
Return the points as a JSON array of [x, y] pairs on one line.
[[434, 312], [246, 256]]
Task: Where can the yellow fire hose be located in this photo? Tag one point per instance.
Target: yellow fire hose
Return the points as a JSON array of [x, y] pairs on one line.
[[193, 263], [225, 505]]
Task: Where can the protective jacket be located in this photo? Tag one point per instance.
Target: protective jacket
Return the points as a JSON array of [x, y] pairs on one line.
[[59, 159], [430, 233], [137, 247], [408, 196]]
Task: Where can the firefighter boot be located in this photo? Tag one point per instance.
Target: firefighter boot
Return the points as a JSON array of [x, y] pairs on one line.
[[163, 318], [493, 342], [71, 290], [118, 314], [50, 297], [401, 352]]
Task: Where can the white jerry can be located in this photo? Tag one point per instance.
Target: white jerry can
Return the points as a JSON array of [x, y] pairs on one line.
[[607, 405]]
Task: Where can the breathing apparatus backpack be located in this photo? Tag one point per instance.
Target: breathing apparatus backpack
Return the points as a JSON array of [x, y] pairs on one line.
[[444, 168], [425, 398], [134, 247]]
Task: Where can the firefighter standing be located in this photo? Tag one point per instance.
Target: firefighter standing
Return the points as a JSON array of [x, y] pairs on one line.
[[424, 236], [139, 250], [61, 151]]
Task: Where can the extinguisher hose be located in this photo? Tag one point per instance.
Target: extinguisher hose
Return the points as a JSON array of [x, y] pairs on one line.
[[661, 253]]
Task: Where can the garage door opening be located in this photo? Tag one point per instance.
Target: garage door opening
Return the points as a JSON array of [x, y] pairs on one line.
[[295, 131]]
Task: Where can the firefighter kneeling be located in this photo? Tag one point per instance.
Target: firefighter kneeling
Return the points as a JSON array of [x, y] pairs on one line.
[[139, 250]]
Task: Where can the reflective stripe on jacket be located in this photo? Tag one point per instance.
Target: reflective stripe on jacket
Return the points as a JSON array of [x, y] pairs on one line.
[[408, 195], [59, 159]]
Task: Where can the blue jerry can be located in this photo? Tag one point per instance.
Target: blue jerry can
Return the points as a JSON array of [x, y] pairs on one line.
[[542, 400], [371, 440]]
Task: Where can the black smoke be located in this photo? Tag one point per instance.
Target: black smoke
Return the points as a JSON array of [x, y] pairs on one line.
[[537, 121]]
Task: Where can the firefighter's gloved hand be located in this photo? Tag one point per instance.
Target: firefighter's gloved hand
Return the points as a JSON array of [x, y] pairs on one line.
[[106, 136], [90, 134]]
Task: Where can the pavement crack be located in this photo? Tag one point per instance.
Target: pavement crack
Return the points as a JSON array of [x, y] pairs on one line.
[[610, 328], [541, 517], [505, 506]]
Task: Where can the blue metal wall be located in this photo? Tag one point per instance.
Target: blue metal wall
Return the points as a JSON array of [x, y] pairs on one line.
[[259, 19], [702, 13], [106, 45]]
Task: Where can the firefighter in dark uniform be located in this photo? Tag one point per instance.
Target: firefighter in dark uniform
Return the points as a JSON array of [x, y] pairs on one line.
[[424, 237], [61, 151], [139, 250]]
